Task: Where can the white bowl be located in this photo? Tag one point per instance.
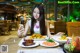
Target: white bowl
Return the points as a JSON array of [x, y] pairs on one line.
[[57, 38]]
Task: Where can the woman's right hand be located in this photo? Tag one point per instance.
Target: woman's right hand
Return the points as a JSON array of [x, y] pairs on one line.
[[20, 30]]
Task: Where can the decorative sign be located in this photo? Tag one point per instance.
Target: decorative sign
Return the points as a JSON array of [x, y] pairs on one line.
[[4, 48]]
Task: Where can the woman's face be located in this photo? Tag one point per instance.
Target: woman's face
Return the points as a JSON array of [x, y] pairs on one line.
[[36, 13]]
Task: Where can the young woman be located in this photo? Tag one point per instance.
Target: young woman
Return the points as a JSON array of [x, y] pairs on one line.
[[37, 24]]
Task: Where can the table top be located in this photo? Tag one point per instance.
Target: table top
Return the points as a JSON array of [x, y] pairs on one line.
[[13, 46]]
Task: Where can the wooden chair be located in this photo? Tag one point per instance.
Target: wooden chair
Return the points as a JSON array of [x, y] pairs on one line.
[[14, 25], [73, 28], [1, 21], [60, 26], [1, 26], [5, 28]]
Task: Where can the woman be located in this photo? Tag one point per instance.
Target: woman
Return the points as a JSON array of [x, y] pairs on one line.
[[37, 24]]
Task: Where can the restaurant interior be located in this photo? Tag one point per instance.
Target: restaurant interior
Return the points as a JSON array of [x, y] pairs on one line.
[[62, 16]]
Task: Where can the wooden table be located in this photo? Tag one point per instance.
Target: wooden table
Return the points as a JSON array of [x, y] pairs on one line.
[[13, 46]]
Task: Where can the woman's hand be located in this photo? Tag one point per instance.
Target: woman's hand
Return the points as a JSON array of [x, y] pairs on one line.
[[60, 33], [20, 30]]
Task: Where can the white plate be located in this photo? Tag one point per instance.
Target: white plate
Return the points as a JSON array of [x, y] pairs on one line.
[[21, 44], [48, 46], [57, 38]]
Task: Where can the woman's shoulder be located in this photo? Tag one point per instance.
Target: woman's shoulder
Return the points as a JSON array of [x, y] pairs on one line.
[[28, 21]]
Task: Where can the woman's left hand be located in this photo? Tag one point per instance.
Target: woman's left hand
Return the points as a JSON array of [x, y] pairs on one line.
[[50, 36]]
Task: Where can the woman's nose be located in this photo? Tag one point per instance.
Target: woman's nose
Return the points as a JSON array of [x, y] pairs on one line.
[[36, 15]]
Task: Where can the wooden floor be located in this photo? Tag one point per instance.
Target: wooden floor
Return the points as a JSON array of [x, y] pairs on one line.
[[3, 38]]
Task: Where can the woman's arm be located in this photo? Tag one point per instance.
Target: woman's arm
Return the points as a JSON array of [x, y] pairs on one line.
[[48, 30], [20, 30], [23, 32], [26, 28]]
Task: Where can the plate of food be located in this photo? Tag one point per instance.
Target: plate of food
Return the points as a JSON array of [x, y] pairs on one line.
[[61, 39], [36, 37], [49, 43], [28, 43]]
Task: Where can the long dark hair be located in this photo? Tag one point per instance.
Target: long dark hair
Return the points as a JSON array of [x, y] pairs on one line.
[[41, 20]]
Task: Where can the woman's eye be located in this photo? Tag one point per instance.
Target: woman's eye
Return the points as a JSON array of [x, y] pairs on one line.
[[36, 12]]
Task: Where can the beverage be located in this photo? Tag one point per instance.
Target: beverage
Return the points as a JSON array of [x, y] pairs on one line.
[[21, 26]]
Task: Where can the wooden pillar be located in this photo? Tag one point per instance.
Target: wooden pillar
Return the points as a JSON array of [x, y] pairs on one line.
[[68, 12], [55, 9]]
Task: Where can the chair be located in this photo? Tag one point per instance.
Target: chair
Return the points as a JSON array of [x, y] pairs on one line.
[[60, 26], [1, 26], [73, 28], [14, 25], [5, 28], [1, 21]]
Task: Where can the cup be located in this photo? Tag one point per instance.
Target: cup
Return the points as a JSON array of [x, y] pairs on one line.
[[21, 26]]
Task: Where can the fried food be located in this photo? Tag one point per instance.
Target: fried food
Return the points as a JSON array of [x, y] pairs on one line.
[[63, 37], [37, 36]]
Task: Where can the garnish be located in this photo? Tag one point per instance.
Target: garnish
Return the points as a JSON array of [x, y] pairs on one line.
[[50, 40]]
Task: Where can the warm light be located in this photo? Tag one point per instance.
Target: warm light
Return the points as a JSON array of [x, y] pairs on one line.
[[19, 14], [1, 11]]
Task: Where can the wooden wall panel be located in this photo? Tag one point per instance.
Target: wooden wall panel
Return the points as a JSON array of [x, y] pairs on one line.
[[2, 0]]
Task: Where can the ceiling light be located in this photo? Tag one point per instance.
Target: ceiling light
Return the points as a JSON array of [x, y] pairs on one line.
[[13, 0]]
